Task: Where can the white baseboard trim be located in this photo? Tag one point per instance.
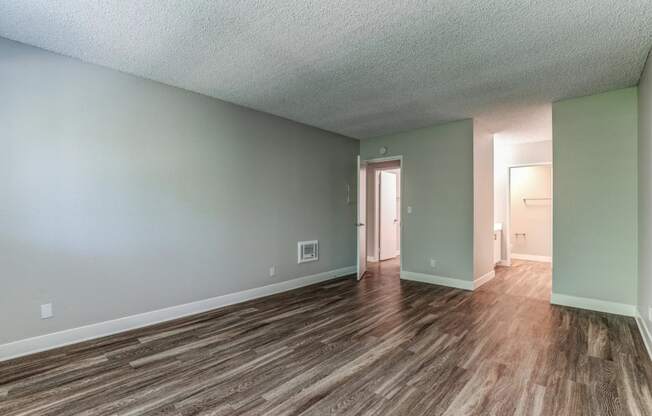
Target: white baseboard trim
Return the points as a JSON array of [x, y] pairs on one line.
[[645, 332], [483, 279], [372, 259], [504, 263], [532, 257], [593, 304], [102, 329], [437, 280]]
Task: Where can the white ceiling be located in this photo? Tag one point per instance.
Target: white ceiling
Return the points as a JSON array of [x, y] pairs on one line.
[[361, 68], [526, 124]]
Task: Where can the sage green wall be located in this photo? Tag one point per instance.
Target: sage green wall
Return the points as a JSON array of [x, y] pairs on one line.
[[437, 175], [122, 195], [645, 194], [595, 196]]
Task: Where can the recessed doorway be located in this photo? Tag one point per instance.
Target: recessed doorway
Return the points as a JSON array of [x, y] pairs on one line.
[[530, 212], [381, 207]]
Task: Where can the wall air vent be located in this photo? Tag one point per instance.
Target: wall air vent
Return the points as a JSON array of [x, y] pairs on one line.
[[308, 251]]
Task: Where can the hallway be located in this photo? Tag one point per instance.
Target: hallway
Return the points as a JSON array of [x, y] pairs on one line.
[[529, 279]]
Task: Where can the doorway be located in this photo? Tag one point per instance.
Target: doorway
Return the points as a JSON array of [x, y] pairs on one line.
[[530, 212], [379, 216]]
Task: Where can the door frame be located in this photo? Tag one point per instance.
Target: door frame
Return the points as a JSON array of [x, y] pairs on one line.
[[507, 227], [402, 187], [361, 218]]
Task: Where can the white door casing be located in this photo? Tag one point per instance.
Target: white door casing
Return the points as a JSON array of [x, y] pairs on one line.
[[361, 228]]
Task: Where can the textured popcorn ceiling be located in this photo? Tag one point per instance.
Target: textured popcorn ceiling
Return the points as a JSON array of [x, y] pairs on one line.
[[362, 68], [521, 125]]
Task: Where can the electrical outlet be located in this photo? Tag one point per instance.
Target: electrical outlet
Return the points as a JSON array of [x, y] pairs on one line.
[[433, 263], [46, 311], [649, 313], [272, 271], [409, 210]]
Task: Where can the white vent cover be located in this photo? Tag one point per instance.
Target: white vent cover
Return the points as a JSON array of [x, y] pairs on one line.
[[308, 251]]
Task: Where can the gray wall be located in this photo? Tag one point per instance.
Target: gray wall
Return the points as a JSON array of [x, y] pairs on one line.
[[645, 194], [437, 180], [595, 196], [122, 195], [483, 200]]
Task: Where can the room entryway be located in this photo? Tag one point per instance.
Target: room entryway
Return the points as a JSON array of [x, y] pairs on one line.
[[530, 212], [379, 214], [523, 201]]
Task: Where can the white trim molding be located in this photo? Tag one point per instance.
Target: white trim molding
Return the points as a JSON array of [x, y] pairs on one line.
[[593, 304], [483, 279], [102, 329], [645, 332], [437, 280], [372, 259], [532, 257]]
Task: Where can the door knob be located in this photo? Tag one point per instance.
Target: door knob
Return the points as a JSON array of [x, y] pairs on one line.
[[359, 224]]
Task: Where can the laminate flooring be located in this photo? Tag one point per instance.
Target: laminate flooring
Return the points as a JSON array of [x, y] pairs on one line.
[[380, 346]]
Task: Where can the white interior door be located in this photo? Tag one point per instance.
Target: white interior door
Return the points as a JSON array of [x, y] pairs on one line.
[[388, 215], [361, 218]]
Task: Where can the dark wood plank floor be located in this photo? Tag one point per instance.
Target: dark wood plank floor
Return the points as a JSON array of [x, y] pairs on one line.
[[378, 347]]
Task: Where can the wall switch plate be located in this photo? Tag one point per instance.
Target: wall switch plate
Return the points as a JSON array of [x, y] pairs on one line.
[[409, 210], [433, 263], [46, 311], [649, 313], [272, 271]]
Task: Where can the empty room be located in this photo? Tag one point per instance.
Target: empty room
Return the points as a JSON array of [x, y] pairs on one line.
[[437, 208]]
